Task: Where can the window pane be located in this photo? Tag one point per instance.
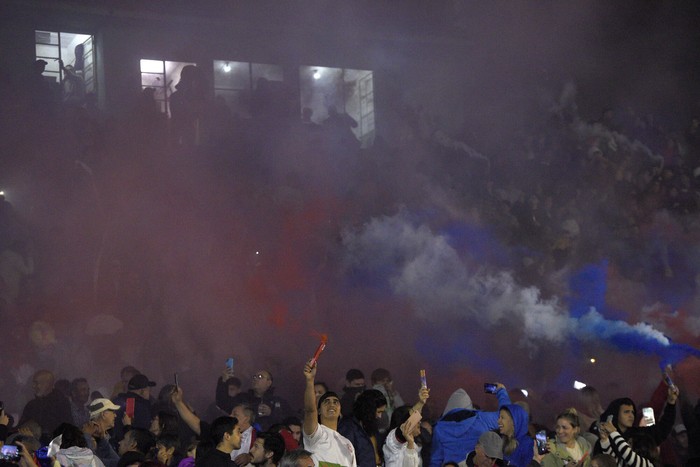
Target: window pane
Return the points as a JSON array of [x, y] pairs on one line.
[[152, 66], [231, 75], [152, 79], [46, 51], [52, 66], [172, 73], [321, 87], [159, 93], [72, 44], [269, 72], [45, 37]]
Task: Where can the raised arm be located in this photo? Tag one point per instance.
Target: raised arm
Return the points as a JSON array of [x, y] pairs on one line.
[[310, 409], [423, 395], [502, 395], [186, 414]]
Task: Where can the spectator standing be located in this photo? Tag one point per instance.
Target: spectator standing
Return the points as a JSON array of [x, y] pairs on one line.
[[459, 429], [49, 408], [320, 429]]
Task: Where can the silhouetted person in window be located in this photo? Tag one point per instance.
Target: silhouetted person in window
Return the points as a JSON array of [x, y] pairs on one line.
[[41, 94], [341, 125], [187, 107]]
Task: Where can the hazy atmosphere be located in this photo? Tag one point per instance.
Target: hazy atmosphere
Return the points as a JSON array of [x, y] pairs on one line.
[[526, 201]]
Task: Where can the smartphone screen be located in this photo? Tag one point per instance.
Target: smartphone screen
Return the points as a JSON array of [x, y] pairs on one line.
[[490, 388], [541, 438], [10, 453], [229, 363], [648, 415], [130, 406]]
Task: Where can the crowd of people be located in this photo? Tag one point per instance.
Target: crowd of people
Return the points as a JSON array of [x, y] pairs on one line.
[[364, 425]]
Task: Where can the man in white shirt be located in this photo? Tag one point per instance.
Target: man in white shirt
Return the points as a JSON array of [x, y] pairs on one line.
[[246, 416], [329, 447]]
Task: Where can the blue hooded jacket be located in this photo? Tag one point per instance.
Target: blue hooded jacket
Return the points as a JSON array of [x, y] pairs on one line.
[[522, 455], [457, 432]]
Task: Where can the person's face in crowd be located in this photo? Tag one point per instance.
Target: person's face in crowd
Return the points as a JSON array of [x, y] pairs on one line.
[[330, 408], [480, 457], [126, 444], [42, 384], [155, 426], [505, 423], [566, 432], [388, 384], [144, 392], [164, 454], [319, 390], [107, 419], [625, 417], [233, 390], [261, 382], [234, 438], [357, 383], [81, 393], [241, 416], [380, 411], [257, 452], [305, 462], [295, 430], [682, 439]]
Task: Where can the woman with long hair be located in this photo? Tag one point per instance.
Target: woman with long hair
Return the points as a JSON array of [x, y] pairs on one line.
[[517, 445], [569, 446]]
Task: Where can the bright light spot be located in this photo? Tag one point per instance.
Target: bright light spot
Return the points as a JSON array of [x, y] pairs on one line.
[[257, 252], [317, 74], [525, 393], [227, 67], [2, 193], [593, 360], [579, 385]]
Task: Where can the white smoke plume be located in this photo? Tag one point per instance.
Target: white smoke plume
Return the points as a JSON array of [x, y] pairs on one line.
[[430, 272]]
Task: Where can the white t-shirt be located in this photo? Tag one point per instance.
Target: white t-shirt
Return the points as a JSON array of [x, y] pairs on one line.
[[329, 448], [398, 455], [246, 436]]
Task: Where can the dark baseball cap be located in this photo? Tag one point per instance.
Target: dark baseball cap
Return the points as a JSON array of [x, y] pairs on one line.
[[140, 382]]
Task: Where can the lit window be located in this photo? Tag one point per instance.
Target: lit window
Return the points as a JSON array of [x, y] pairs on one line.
[[162, 76], [77, 53], [348, 91], [236, 82]]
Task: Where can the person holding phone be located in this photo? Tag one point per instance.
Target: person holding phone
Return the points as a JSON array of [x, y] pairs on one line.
[[569, 447], [400, 447], [615, 445], [623, 412]]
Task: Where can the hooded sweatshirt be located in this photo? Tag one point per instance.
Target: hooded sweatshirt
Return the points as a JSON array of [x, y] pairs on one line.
[[522, 455], [457, 432], [75, 456]]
